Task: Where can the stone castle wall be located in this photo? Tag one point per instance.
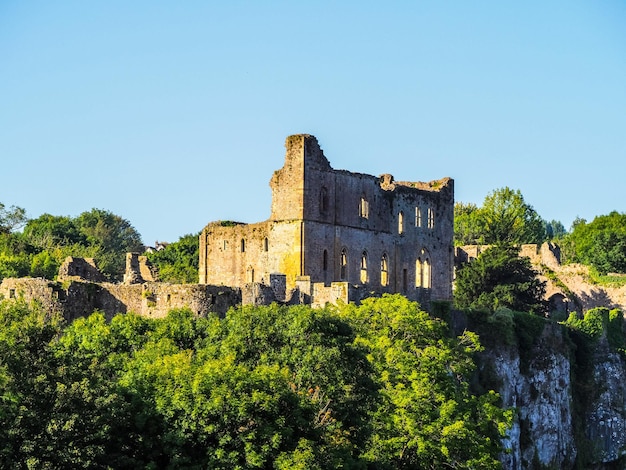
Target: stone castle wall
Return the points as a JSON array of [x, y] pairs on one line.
[[338, 226], [74, 296]]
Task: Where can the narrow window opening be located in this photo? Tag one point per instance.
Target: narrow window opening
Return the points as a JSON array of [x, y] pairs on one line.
[[401, 222], [384, 271], [364, 208], [225, 245], [419, 273], [364, 268], [418, 217], [325, 260], [344, 265], [266, 244], [426, 282], [431, 218], [243, 245]]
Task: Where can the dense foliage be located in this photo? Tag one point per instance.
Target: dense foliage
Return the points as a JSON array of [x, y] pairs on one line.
[[500, 278], [503, 218], [600, 243], [375, 386], [178, 262], [46, 241]]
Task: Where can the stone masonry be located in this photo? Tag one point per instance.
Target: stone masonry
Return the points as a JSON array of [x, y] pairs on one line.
[[328, 227]]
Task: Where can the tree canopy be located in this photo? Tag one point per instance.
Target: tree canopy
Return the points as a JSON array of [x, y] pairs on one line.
[[600, 243], [499, 277], [503, 218], [380, 385], [178, 261], [46, 241]]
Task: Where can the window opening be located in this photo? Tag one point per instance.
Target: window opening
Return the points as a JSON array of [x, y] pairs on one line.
[[243, 245], [364, 268], [266, 244], [401, 222], [344, 265], [418, 217], [384, 271], [419, 273], [364, 208], [431, 218], [325, 260]]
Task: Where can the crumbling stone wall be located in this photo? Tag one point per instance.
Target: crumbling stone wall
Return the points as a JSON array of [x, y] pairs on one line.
[[138, 269], [81, 268], [76, 298], [338, 226]]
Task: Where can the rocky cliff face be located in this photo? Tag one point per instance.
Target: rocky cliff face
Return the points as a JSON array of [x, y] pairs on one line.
[[570, 400]]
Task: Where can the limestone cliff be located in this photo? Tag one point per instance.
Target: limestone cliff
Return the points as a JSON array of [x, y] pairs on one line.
[[569, 394]]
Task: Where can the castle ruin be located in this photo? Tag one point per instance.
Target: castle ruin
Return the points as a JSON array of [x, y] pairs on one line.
[[334, 234]]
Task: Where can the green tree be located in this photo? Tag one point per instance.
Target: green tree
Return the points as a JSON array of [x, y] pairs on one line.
[[48, 232], [425, 415], [467, 228], [272, 387], [110, 237], [499, 277], [506, 218], [178, 262], [600, 243], [554, 229], [11, 218]]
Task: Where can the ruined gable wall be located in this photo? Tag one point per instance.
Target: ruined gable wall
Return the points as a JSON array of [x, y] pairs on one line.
[[287, 184]]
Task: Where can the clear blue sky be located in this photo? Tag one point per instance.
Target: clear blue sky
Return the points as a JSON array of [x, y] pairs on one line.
[[174, 114]]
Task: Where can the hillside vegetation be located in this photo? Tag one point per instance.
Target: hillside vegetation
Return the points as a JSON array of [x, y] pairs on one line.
[[381, 385]]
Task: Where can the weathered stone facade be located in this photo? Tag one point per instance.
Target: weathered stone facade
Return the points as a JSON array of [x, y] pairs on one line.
[[333, 226], [77, 292]]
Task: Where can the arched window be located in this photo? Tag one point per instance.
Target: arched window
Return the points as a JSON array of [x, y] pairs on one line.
[[418, 217], [266, 244], [364, 208], [323, 200], [343, 271], [364, 268], [427, 273], [422, 270], [401, 222], [419, 273], [325, 260], [243, 245], [431, 217], [384, 270]]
